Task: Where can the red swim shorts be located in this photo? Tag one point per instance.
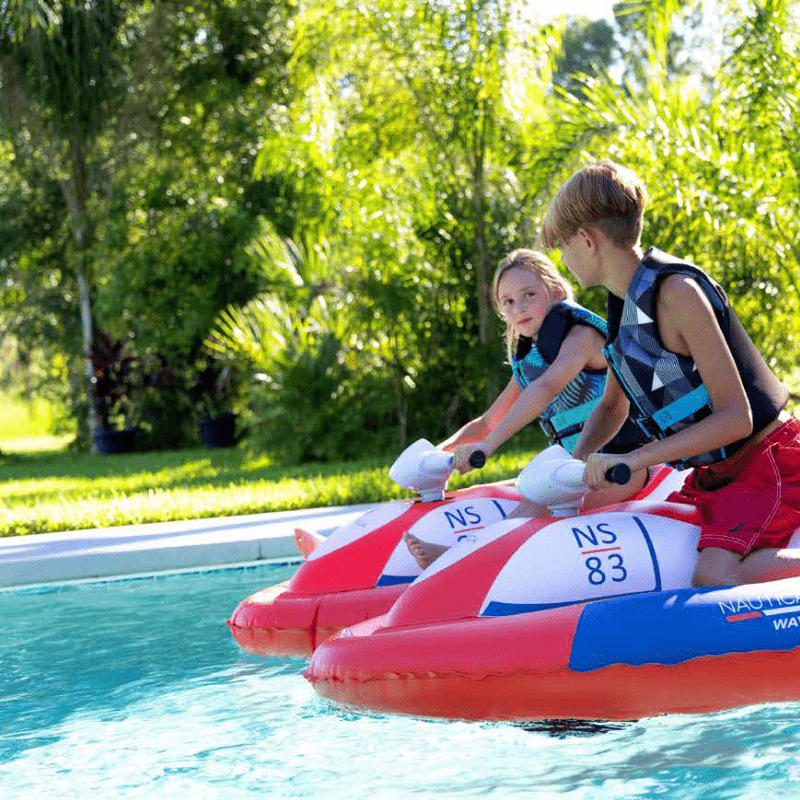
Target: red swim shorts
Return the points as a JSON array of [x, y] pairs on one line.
[[757, 502]]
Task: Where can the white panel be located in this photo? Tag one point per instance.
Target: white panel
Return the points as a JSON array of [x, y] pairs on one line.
[[366, 523], [597, 555], [672, 483]]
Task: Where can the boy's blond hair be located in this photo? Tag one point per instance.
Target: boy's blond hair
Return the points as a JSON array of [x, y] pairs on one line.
[[537, 264], [605, 195]]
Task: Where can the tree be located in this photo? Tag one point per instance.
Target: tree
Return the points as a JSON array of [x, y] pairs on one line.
[[720, 163], [401, 148], [148, 130], [653, 32], [60, 79], [588, 47]]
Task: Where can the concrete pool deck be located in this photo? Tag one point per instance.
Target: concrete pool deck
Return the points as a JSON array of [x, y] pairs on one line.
[[162, 546]]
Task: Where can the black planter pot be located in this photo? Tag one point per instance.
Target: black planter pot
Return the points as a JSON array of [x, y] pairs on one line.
[[220, 431], [112, 441]]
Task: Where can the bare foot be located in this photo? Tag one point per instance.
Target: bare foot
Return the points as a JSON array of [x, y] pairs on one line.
[[425, 553], [307, 542]]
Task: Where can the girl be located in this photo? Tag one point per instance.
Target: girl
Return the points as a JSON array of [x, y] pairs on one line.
[[558, 376]]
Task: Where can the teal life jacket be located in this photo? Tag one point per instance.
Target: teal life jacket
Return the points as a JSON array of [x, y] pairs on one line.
[[564, 418]]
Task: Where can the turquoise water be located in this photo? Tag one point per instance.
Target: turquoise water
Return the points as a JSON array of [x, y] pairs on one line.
[[135, 689]]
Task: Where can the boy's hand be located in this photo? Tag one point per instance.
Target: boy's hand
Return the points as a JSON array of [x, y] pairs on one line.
[[462, 453], [597, 464]]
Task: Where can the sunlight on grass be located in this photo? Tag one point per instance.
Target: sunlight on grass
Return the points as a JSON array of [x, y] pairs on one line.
[[67, 491], [35, 444], [26, 425]]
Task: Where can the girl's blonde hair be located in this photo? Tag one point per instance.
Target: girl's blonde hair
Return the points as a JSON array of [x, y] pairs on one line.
[[543, 268], [606, 195]]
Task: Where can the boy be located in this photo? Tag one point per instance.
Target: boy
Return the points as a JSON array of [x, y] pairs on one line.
[[683, 367]]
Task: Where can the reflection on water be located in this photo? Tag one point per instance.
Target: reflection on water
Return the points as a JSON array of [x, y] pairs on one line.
[[137, 689], [564, 728]]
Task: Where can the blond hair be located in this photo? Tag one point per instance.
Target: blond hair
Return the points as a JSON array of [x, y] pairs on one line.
[[604, 195], [543, 268]]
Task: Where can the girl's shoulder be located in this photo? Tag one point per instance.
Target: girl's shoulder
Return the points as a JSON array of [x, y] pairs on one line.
[[570, 313], [560, 320]]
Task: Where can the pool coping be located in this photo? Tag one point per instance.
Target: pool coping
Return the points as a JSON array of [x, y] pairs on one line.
[[135, 550]]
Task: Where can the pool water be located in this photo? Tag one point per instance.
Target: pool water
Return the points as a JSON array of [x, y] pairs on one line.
[[135, 689]]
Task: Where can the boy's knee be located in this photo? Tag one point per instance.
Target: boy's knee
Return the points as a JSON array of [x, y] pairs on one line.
[[716, 567], [702, 578]]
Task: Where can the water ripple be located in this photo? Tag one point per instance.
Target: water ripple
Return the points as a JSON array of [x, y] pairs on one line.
[[131, 690]]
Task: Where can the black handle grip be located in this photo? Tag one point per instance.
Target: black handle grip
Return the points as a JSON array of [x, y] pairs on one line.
[[477, 459], [619, 473]]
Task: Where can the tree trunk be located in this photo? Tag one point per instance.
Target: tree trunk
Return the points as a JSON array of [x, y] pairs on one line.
[[482, 268], [85, 304], [75, 194]]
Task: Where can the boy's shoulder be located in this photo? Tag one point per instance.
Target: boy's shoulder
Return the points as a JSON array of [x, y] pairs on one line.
[[662, 271], [677, 287], [682, 306], [655, 260]]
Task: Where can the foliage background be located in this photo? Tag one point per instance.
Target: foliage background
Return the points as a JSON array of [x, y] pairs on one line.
[[316, 194]]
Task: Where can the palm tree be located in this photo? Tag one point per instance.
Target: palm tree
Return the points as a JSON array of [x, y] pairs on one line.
[[718, 156], [59, 88]]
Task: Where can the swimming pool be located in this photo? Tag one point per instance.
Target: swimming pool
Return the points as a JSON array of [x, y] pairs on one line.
[[135, 689]]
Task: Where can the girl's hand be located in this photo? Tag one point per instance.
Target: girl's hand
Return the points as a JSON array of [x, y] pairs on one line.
[[462, 453], [597, 464]]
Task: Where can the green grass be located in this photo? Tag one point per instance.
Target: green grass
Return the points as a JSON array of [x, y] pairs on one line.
[[25, 425], [46, 492]]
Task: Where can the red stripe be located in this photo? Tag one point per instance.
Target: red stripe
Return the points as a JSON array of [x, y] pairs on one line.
[[601, 550], [740, 617]]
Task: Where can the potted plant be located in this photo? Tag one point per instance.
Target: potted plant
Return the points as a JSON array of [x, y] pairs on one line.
[[163, 404], [113, 381], [212, 391]]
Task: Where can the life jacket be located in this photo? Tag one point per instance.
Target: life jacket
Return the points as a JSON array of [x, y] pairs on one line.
[[565, 416], [665, 389]]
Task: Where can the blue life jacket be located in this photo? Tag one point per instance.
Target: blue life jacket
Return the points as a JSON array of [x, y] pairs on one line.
[[665, 389], [565, 416]]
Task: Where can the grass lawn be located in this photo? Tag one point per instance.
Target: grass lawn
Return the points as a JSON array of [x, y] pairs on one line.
[[24, 426], [58, 491]]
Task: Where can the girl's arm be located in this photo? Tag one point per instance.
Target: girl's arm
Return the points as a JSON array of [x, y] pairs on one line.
[[581, 345], [479, 428], [688, 325]]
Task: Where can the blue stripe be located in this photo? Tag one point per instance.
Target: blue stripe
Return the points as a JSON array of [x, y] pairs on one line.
[[573, 416], [676, 626], [497, 608], [499, 508], [656, 570], [569, 442], [393, 580]]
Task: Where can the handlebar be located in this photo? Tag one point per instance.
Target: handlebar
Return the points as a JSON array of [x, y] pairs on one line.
[[619, 473], [477, 459]]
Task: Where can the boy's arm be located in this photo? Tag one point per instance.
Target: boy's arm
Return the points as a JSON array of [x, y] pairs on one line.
[[606, 419], [580, 345], [688, 325]]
